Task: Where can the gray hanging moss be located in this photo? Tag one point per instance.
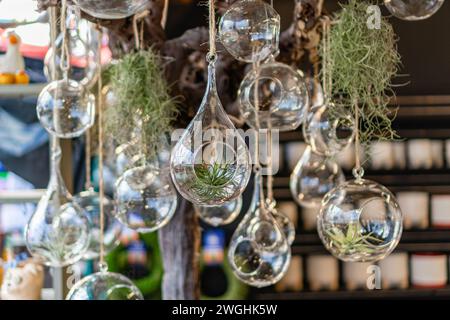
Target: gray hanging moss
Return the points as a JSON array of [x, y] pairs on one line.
[[362, 63], [142, 102]]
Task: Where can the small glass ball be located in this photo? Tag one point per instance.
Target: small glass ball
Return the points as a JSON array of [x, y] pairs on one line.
[[66, 109], [146, 199], [104, 286], [313, 177], [360, 221], [329, 129], [282, 97], [90, 202], [111, 9], [413, 10], [220, 215], [250, 30]]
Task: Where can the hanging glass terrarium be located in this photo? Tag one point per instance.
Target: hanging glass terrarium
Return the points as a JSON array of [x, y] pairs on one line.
[[283, 221], [360, 221], [82, 43], [104, 285], [57, 234], [145, 198], [250, 30], [220, 215], [111, 9], [89, 201], [329, 129], [210, 164], [313, 177], [65, 108], [413, 10], [280, 93], [259, 253]]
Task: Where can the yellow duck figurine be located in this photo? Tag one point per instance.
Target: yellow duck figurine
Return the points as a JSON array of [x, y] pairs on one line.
[[12, 64]]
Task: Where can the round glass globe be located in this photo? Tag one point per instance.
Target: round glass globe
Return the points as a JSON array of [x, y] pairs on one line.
[[360, 221], [111, 9], [146, 199], [250, 30], [66, 109], [220, 215], [282, 97], [104, 286], [90, 201], [413, 10]]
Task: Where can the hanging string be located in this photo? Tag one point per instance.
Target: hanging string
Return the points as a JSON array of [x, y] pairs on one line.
[[326, 66], [139, 30], [54, 143], [65, 52], [102, 264], [164, 14], [88, 184], [270, 196], [358, 171], [211, 57]]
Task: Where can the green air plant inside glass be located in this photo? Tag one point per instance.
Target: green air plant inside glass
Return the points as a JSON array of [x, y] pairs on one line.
[[351, 240], [361, 63], [143, 109], [211, 179]]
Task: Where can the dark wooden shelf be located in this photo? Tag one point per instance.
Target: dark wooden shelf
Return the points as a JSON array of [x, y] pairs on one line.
[[411, 293], [412, 241]]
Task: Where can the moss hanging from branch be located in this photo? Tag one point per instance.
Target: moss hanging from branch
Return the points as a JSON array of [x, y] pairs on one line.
[[143, 105], [362, 63]]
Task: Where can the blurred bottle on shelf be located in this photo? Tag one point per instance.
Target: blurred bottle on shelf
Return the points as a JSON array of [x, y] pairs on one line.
[[213, 278], [293, 280]]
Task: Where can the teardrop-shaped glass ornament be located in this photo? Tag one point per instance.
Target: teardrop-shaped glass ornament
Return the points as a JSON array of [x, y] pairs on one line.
[[280, 93], [360, 221], [145, 198], [111, 9], [283, 221], [413, 10], [210, 164], [250, 30], [82, 41], [313, 177], [220, 215], [329, 129], [259, 253], [57, 234], [65, 108], [104, 285], [89, 201]]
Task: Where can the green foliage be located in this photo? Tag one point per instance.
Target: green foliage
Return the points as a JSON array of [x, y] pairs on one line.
[[351, 240], [211, 179], [143, 105], [362, 62]]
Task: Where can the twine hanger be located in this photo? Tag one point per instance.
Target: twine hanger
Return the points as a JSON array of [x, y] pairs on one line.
[[65, 52], [139, 30]]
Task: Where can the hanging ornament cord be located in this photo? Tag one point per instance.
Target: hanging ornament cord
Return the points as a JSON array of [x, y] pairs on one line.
[[358, 171], [138, 29], [102, 264], [65, 53], [327, 80], [55, 147]]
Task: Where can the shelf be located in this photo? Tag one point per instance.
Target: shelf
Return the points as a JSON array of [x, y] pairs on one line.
[[21, 196], [411, 241], [360, 294], [20, 91]]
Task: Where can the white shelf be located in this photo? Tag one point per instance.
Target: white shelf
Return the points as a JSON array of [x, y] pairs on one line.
[[21, 196], [19, 91]]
